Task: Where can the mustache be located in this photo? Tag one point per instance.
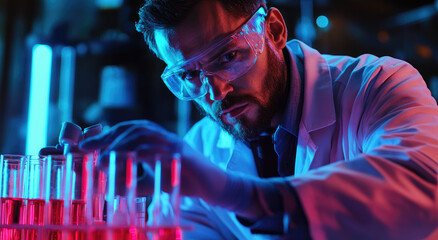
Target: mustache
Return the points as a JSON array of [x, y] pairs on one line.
[[230, 101]]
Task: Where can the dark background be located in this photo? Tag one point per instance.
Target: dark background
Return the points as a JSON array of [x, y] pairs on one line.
[[105, 37]]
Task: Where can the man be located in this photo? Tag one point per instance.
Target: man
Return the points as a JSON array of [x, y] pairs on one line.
[[355, 139]]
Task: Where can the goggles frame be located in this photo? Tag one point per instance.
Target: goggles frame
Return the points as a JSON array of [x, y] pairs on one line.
[[253, 32]]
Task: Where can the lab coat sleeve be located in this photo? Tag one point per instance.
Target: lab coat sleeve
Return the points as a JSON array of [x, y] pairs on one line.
[[389, 189], [201, 222], [195, 213]]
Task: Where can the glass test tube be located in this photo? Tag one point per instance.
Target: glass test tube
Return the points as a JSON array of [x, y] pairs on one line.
[[166, 207], [12, 204], [35, 181], [56, 193], [81, 183], [123, 206], [98, 191]]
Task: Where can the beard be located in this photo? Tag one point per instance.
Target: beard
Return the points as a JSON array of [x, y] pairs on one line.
[[274, 96]]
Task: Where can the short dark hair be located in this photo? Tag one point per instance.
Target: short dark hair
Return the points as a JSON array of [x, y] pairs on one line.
[[167, 14]]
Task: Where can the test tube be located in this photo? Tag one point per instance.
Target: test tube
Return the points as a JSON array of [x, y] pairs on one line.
[[56, 194], [175, 186], [1, 178], [13, 206], [35, 178], [81, 183], [166, 206], [99, 179], [122, 185]]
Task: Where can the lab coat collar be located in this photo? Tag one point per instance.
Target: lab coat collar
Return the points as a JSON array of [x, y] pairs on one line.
[[318, 103], [225, 141]]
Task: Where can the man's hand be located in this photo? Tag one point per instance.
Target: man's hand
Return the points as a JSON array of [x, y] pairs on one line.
[[199, 177], [144, 137]]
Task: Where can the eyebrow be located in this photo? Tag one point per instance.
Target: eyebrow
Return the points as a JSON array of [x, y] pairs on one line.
[[218, 39], [222, 49]]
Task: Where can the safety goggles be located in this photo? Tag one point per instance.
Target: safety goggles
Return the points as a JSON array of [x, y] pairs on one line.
[[227, 60]]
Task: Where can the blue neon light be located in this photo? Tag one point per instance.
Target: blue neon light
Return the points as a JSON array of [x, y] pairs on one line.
[[322, 21], [108, 4], [66, 83], [39, 98]]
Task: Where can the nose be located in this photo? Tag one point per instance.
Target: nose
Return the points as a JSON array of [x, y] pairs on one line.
[[218, 88]]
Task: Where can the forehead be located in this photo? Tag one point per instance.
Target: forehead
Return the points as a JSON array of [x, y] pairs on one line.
[[207, 23]]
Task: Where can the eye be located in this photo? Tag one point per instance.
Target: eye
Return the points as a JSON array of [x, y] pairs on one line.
[[190, 75], [227, 58]]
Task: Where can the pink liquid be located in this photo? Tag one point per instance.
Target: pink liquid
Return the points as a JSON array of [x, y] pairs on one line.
[[13, 212], [99, 234], [56, 216], [35, 211], [35, 216], [119, 234], [130, 233], [168, 233], [78, 212], [78, 216]]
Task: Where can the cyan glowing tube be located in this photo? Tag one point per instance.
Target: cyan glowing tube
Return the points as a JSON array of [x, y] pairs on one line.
[[66, 83], [156, 212], [111, 187], [108, 4], [1, 179], [39, 98], [68, 179], [48, 178]]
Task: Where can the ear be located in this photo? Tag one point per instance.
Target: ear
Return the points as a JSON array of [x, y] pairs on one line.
[[276, 30]]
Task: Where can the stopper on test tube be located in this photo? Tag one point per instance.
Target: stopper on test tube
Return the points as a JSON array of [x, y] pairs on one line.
[[92, 130], [70, 135]]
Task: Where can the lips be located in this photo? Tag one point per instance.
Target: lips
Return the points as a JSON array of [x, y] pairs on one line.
[[235, 110]]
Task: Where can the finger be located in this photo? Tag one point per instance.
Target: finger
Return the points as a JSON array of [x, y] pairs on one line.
[[144, 153], [49, 151], [136, 136], [101, 141]]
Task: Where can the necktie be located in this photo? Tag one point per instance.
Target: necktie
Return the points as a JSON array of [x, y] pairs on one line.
[[286, 148], [268, 163], [266, 159]]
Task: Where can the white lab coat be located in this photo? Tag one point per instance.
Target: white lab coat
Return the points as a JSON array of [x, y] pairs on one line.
[[367, 155]]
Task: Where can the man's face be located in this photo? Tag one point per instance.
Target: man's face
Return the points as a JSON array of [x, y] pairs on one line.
[[245, 106]]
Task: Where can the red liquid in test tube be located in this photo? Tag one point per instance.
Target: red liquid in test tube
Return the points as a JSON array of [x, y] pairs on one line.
[[12, 204], [56, 216], [78, 216], [35, 211], [78, 212], [35, 216], [170, 233], [13, 212]]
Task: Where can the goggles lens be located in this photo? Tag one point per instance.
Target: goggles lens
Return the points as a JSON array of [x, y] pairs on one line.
[[228, 59]]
